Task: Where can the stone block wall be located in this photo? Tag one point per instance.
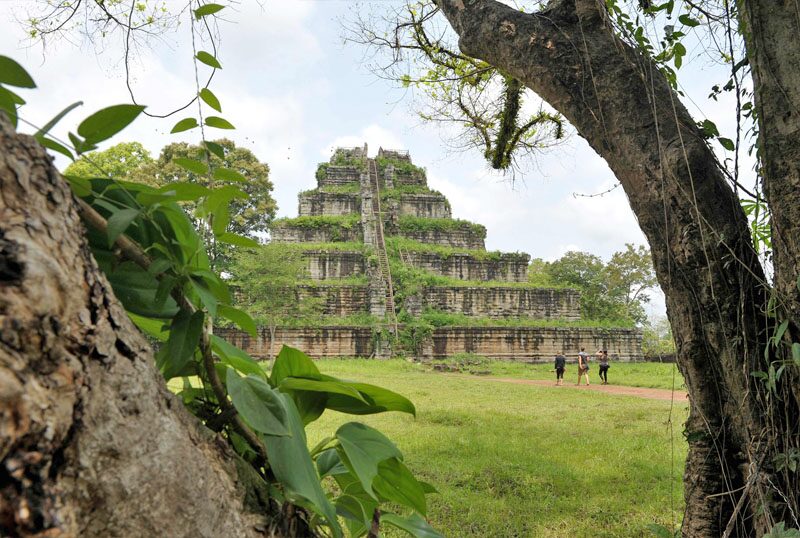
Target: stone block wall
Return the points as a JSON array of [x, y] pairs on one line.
[[317, 342], [504, 302], [335, 300], [328, 265], [322, 234], [417, 179], [536, 344], [424, 205], [507, 268], [463, 238], [328, 203], [339, 175]]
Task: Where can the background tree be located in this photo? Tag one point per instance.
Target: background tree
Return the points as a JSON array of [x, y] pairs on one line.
[[118, 161], [614, 291]]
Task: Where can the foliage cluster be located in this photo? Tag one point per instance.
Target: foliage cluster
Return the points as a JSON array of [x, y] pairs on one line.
[[352, 188], [157, 264], [411, 224], [319, 221], [657, 340], [401, 166], [396, 244], [614, 290]]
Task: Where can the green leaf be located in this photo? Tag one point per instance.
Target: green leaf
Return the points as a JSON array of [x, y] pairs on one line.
[[329, 463], [207, 297], [184, 191], [379, 400], [235, 357], [710, 128], [357, 513], [292, 465], [184, 337], [414, 524], [51, 144], [257, 403], [107, 122], [292, 362], [207, 9], [215, 148], [81, 186], [240, 318], [153, 328], [688, 21], [727, 143], [119, 222], [8, 103], [210, 99], [226, 174], [237, 240], [208, 59], [395, 483], [52, 123], [781, 331], [313, 385], [192, 165], [184, 125], [219, 123], [365, 448], [796, 353], [13, 74]]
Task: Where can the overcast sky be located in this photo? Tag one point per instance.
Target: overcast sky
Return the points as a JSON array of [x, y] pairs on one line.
[[295, 91]]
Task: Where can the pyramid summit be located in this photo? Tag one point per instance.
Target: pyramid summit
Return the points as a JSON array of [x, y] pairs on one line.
[[391, 272]]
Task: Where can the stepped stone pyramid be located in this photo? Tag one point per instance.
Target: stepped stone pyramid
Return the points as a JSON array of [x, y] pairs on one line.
[[381, 246]]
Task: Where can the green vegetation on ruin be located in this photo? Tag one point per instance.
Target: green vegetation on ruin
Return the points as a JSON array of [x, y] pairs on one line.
[[350, 188], [396, 243], [356, 280], [319, 221], [562, 450], [313, 320], [436, 318], [344, 246], [398, 191], [408, 223], [401, 166]]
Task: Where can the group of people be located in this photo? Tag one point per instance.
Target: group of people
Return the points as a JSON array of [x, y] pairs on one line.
[[583, 366]]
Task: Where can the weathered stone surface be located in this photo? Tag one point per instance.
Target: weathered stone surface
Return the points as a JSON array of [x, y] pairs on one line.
[[317, 342], [424, 205], [335, 300], [512, 267], [409, 178], [339, 175], [463, 238], [536, 344], [322, 234], [504, 302], [330, 265], [328, 203]]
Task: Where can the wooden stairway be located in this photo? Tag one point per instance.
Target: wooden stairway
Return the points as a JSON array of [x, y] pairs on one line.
[[383, 258]]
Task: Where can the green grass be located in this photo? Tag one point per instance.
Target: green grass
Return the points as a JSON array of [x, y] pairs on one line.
[[528, 461]]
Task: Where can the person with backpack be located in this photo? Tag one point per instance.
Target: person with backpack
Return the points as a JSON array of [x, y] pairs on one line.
[[583, 366], [559, 366], [602, 361]]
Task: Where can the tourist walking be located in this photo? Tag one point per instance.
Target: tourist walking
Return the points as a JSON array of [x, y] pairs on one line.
[[583, 366], [560, 365], [602, 361]]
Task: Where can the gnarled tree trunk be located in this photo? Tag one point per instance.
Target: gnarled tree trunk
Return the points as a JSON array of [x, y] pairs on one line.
[[91, 441], [714, 285]]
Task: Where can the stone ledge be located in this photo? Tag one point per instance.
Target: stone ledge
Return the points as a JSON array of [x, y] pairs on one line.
[[503, 302], [328, 203], [510, 267]]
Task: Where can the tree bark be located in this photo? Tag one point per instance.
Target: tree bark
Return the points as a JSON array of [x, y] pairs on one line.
[[91, 441], [699, 237]]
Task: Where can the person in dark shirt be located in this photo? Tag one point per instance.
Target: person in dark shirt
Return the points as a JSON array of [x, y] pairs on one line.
[[602, 359], [560, 365]]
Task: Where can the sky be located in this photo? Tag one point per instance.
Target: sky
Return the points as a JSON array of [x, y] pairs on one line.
[[294, 90]]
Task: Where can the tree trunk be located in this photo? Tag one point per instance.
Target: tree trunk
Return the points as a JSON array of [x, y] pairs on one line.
[[698, 234], [91, 441]]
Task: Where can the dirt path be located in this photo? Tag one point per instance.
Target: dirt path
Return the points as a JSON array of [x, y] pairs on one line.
[[651, 394]]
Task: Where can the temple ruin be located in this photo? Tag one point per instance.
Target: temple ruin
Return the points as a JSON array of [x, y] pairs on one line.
[[379, 245]]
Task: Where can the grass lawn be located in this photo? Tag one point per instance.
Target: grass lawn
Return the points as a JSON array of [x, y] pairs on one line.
[[517, 460]]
